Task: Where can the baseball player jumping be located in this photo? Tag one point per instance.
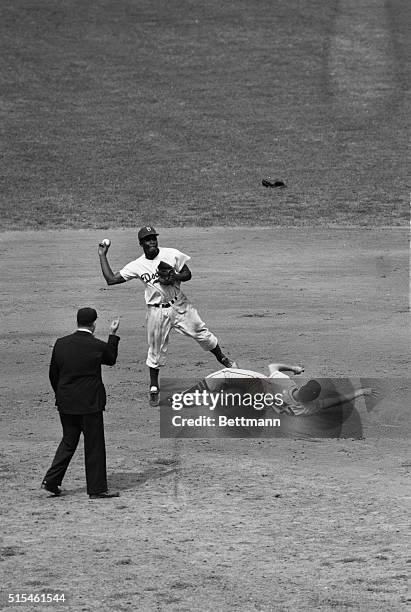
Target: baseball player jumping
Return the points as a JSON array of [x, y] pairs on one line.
[[162, 270]]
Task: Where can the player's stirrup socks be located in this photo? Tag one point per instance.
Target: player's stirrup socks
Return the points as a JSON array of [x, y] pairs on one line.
[[218, 353]]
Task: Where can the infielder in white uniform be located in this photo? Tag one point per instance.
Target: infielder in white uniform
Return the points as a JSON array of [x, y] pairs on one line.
[[295, 400], [162, 270]]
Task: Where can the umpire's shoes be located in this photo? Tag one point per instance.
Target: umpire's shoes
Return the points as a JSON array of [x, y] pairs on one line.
[[229, 363], [104, 495], [154, 396], [51, 488]]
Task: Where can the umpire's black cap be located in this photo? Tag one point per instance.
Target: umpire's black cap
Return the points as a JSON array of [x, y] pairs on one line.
[[86, 316], [147, 230]]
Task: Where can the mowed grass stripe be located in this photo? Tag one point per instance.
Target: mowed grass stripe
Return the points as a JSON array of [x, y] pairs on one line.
[[116, 113]]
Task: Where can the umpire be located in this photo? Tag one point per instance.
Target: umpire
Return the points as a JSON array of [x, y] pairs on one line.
[[75, 375]]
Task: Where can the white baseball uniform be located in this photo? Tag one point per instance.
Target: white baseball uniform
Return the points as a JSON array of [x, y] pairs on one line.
[[167, 306], [283, 384]]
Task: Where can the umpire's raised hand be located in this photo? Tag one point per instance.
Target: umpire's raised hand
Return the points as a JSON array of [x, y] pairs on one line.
[[114, 325]]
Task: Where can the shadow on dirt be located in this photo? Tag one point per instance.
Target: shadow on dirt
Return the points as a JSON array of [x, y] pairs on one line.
[[132, 480]]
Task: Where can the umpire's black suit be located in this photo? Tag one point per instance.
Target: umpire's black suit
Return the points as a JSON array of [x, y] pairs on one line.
[[75, 375]]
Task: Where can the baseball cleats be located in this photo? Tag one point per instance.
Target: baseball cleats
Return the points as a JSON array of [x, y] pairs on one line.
[[154, 396], [54, 489], [229, 363]]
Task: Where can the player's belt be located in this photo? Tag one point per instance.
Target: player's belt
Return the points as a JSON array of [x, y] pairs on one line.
[[166, 305]]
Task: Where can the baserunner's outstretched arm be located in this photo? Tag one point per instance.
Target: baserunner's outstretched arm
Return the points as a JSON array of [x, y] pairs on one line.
[[342, 399]]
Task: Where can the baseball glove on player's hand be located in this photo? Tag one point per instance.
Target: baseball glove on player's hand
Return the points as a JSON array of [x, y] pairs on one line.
[[166, 274]]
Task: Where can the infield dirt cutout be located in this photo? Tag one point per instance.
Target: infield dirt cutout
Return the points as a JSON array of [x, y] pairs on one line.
[[245, 524]]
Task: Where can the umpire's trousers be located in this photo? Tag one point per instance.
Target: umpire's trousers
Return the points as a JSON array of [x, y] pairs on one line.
[[92, 426]]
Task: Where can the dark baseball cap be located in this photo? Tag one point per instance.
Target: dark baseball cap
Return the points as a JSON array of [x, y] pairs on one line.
[[309, 391], [145, 231], [86, 316]]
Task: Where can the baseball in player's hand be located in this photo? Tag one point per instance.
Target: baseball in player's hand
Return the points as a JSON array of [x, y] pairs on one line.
[[114, 325], [298, 370], [104, 246]]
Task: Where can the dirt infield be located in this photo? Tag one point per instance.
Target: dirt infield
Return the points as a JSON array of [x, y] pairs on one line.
[[246, 524]]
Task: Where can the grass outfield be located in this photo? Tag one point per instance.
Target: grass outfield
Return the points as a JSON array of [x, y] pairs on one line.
[[114, 113]]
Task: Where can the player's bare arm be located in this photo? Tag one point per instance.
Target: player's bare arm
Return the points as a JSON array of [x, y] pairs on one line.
[[285, 367], [110, 277], [336, 401]]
